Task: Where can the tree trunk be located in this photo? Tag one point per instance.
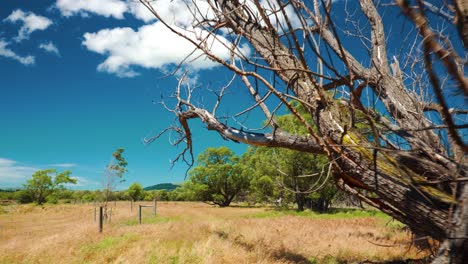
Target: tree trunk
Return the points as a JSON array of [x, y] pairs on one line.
[[454, 248], [300, 202]]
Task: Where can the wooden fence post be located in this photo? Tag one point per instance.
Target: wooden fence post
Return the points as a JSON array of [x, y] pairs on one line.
[[100, 219], [154, 206], [131, 205], [139, 214]]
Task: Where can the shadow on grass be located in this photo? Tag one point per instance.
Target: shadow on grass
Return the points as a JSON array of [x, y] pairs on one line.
[[406, 261], [283, 254], [277, 254], [331, 211], [334, 213]]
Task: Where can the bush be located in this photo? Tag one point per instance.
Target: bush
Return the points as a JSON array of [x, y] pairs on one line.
[[88, 197], [53, 198], [7, 195], [24, 196]]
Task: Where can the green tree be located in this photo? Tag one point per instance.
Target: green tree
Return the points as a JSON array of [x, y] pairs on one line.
[[298, 176], [218, 178], [41, 185], [24, 196], [150, 195], [136, 192], [112, 175], [293, 176], [89, 196], [262, 188], [162, 195]]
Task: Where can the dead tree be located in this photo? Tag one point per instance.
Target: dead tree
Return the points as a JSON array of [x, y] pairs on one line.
[[405, 149]]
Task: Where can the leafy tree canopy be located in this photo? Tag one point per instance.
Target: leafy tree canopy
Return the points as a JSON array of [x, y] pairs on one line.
[[136, 192], [42, 184], [218, 178]]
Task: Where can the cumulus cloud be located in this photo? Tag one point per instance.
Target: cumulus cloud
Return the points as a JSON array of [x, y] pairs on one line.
[[12, 174], [50, 47], [140, 11], [181, 13], [8, 53], [173, 11], [82, 182], [15, 174], [152, 46], [107, 8], [274, 14], [31, 22]]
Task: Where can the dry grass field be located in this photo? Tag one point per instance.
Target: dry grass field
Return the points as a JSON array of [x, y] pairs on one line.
[[198, 233]]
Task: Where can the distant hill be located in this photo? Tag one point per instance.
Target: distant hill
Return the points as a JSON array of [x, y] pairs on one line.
[[162, 186]]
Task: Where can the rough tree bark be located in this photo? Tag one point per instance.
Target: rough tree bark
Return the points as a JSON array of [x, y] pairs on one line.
[[422, 184]]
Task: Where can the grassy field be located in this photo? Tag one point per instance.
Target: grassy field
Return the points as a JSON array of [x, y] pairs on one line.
[[198, 233]]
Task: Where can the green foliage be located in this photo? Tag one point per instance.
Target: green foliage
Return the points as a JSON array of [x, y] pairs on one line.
[[120, 168], [162, 195], [88, 197], [150, 196], [41, 185], [263, 187], [114, 172], [162, 186], [8, 194], [65, 194], [136, 192], [109, 242], [218, 178], [291, 175], [193, 191], [52, 198], [24, 196], [321, 200]]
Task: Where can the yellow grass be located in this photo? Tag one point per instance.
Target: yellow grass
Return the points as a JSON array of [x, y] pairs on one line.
[[194, 233]]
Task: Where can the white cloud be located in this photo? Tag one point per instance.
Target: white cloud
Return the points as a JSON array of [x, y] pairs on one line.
[[50, 47], [63, 165], [8, 53], [13, 174], [173, 11], [275, 15], [6, 162], [82, 182], [107, 8], [152, 46], [140, 11], [181, 13], [185, 13], [31, 22]]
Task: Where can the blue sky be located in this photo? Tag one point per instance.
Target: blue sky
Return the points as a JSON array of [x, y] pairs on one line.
[[81, 78], [60, 109]]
